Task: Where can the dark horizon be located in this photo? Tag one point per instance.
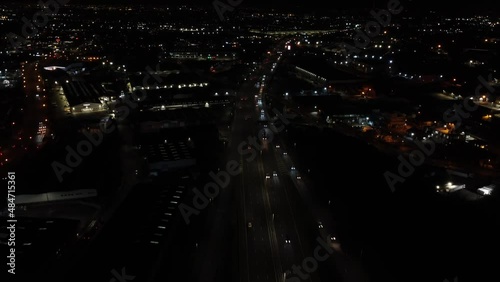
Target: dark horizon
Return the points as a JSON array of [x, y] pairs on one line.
[[411, 7]]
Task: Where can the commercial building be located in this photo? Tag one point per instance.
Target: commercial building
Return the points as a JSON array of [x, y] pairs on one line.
[[169, 156]]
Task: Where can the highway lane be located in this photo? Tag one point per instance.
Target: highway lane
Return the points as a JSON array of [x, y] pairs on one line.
[[289, 244], [259, 258], [259, 240], [300, 200], [272, 216], [350, 268], [286, 210], [270, 212], [265, 203], [212, 254], [263, 254], [292, 218], [267, 208], [242, 186]]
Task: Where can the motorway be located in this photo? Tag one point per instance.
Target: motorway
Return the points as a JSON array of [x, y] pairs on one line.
[[273, 224], [278, 218], [274, 236], [265, 215]]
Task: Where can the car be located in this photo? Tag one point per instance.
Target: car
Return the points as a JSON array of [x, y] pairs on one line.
[[278, 146], [285, 153], [287, 239], [275, 173], [293, 168], [299, 177], [249, 224], [333, 238], [268, 176], [320, 225]]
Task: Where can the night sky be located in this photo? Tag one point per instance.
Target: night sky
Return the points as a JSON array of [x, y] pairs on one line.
[[411, 6]]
